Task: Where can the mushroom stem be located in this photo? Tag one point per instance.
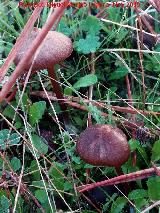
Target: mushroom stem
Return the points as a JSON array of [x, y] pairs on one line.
[[58, 91], [118, 171]]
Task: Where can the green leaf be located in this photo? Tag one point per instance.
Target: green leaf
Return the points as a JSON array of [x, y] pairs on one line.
[[68, 186], [88, 45], [39, 144], [36, 112], [4, 204], [109, 200], [10, 113], [41, 195], [119, 73], [14, 139], [143, 153], [154, 188], [15, 163], [64, 28], [7, 139], [57, 176], [118, 205], [18, 125], [34, 167], [4, 134], [156, 151], [91, 25], [133, 144], [138, 194], [68, 91], [86, 81], [24, 104], [141, 203]]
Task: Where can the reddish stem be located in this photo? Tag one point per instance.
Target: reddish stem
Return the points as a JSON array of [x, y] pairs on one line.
[[58, 91], [127, 123], [120, 179], [72, 100]]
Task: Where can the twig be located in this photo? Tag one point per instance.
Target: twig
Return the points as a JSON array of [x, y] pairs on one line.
[[157, 203], [127, 26], [70, 99]]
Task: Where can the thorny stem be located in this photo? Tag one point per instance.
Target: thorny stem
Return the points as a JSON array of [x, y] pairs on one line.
[[31, 52], [121, 179]]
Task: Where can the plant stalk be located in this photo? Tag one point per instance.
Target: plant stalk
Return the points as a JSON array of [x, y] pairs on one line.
[[59, 94]]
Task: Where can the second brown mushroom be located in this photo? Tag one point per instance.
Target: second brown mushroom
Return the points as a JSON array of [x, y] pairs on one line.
[[103, 145]]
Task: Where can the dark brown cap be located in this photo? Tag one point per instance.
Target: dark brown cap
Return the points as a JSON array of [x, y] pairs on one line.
[[103, 145], [55, 48]]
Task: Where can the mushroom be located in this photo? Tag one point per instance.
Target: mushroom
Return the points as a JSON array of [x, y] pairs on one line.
[[103, 145], [55, 48]]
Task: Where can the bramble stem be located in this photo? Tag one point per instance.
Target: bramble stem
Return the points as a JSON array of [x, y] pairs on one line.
[[120, 179]]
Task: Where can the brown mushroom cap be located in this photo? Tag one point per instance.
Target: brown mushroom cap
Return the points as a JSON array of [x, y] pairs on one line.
[[103, 145], [55, 49]]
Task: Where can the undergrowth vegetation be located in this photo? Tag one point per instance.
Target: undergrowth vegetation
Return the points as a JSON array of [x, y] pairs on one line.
[[111, 77]]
